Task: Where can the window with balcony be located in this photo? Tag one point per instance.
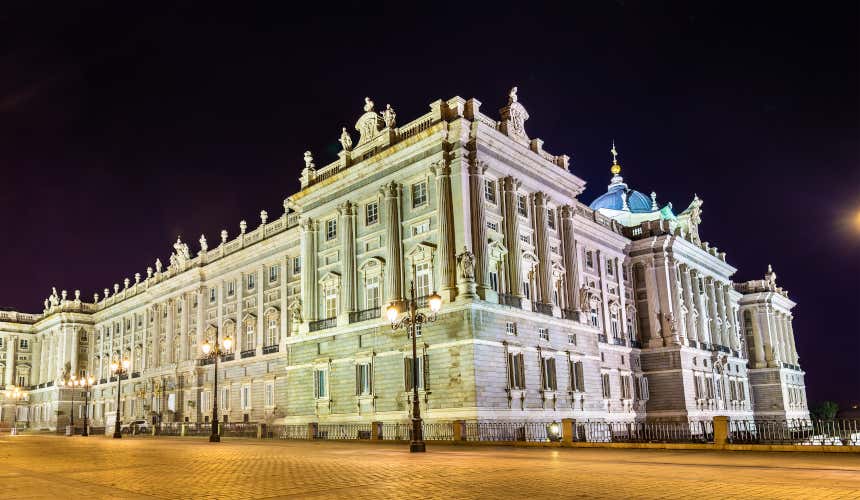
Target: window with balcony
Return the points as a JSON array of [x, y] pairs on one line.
[[371, 292], [423, 279], [272, 332], [330, 302]]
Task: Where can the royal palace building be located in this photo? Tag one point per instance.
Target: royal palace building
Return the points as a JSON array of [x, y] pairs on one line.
[[613, 311]]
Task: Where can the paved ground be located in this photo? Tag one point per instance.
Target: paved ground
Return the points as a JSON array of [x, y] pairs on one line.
[[98, 467]]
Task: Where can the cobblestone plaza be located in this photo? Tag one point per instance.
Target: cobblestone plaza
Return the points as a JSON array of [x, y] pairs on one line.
[[98, 467]]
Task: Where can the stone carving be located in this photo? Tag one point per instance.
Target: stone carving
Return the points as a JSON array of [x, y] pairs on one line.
[[54, 299], [345, 140], [514, 117], [669, 318], [243, 226], [180, 254], [204, 246], [389, 117], [158, 265], [369, 124], [223, 236], [466, 260]]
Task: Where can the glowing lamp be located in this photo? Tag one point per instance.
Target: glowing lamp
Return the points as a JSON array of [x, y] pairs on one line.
[[435, 301]]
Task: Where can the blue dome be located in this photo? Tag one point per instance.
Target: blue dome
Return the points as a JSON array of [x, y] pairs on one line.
[[636, 201]]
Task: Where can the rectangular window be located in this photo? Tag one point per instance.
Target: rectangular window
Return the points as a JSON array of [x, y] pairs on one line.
[[494, 280], [625, 386], [606, 388], [548, 369], [550, 218], [224, 404], [250, 338], [610, 268], [589, 260], [330, 302], [272, 332], [516, 371], [419, 329], [493, 226], [363, 380], [24, 344], [419, 194], [522, 206], [371, 292], [252, 281], [613, 324], [231, 289], [274, 271], [371, 213], [270, 394], [595, 318], [423, 280], [297, 265], [212, 296], [320, 384], [421, 228], [510, 328], [571, 338], [205, 401], [526, 239], [422, 376], [490, 190], [543, 333], [246, 397], [624, 272], [330, 229], [577, 374]]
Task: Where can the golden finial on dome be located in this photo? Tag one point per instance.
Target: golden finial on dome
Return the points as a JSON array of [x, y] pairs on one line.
[[615, 168]]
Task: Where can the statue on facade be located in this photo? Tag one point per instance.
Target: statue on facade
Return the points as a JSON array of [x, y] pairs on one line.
[[181, 254], [54, 299], [345, 140], [584, 297], [369, 124], [466, 260], [158, 265], [389, 117], [514, 117]]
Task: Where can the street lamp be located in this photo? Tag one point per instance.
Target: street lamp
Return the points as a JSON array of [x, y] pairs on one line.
[[214, 352], [85, 383], [409, 322], [71, 383], [119, 367], [15, 394]]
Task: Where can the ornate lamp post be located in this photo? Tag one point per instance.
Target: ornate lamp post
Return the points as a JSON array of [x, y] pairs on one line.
[[15, 394], [214, 352], [119, 367], [85, 383], [409, 321], [71, 383]]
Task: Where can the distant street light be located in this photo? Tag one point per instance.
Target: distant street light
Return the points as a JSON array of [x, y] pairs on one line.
[[15, 394], [214, 352], [119, 367]]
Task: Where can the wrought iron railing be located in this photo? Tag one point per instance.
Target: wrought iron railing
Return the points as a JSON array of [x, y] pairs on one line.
[[618, 341], [796, 432], [322, 324], [510, 300], [365, 315], [722, 348], [512, 431], [342, 431], [648, 432], [239, 429], [206, 361], [601, 337], [228, 357], [635, 343], [298, 431], [269, 349], [248, 353]]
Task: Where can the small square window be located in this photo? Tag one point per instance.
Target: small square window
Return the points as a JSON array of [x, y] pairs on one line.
[[421, 228], [543, 333], [419, 194], [522, 206], [571, 338], [510, 328]]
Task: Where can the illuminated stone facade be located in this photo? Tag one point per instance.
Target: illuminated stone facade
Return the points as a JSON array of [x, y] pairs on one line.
[[551, 309]]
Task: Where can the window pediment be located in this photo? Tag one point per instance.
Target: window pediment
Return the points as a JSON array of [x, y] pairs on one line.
[[422, 252], [331, 278]]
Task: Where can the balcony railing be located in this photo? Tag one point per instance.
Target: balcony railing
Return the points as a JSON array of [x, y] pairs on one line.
[[510, 300], [723, 348], [250, 353], [365, 315], [269, 349], [693, 343], [322, 324], [228, 357], [542, 308], [618, 341], [601, 337], [635, 343], [207, 361], [135, 374], [791, 366], [705, 346]]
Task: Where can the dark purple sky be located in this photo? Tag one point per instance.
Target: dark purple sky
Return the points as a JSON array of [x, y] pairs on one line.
[[121, 129]]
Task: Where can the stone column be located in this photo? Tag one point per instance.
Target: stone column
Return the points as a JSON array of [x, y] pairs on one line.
[[285, 297], [702, 326], [512, 235], [201, 319], [732, 313], [171, 330], [445, 211], [712, 312], [764, 328], [542, 248], [784, 349], [794, 356], [184, 302], [261, 299], [145, 341], [479, 226], [309, 269], [393, 245], [721, 312], [240, 312], [687, 293], [73, 351], [11, 348], [156, 336], [347, 239], [568, 241], [36, 348]]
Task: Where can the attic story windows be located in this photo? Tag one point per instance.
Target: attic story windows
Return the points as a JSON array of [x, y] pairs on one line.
[[419, 194], [330, 229], [371, 213]]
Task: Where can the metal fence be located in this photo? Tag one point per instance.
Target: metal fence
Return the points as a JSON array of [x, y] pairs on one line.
[[645, 432], [796, 432], [512, 431], [342, 431], [287, 431], [239, 430]]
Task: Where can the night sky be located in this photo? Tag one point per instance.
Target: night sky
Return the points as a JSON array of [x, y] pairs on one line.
[[121, 129]]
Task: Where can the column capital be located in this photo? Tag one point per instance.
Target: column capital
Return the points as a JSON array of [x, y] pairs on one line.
[[511, 183], [441, 168], [390, 190], [478, 167]]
